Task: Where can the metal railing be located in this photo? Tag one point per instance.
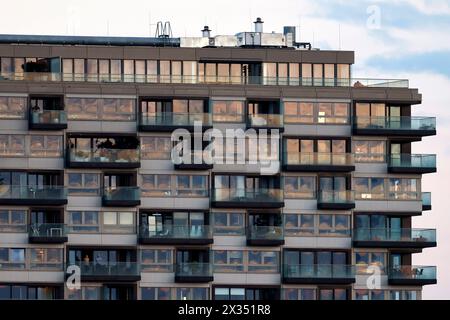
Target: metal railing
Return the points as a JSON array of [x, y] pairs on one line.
[[176, 232], [33, 192], [394, 235], [395, 123], [104, 155], [319, 271], [194, 79], [309, 159], [263, 195]]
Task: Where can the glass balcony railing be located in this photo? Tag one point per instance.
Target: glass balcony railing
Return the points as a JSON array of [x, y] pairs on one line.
[[262, 196], [194, 269], [255, 80], [47, 230], [100, 269], [338, 197], [319, 271], [32, 192], [265, 233], [104, 155], [117, 194], [175, 119], [394, 235], [426, 199], [419, 161], [396, 123], [48, 117], [415, 273], [318, 159], [176, 232], [265, 120]]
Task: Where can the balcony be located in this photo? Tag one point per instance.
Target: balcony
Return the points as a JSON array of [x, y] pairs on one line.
[[195, 162], [265, 121], [112, 271], [194, 272], [176, 234], [336, 200], [121, 197], [168, 121], [412, 163], [187, 79], [318, 274], [265, 236], [412, 275], [103, 158], [247, 198], [426, 201], [318, 162], [47, 233], [395, 126], [32, 195], [394, 238], [48, 120]]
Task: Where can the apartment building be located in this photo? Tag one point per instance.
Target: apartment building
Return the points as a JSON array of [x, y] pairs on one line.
[[87, 177]]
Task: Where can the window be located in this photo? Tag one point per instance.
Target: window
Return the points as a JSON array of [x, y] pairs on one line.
[[83, 184], [299, 294], [299, 112], [156, 148], [151, 293], [369, 151], [322, 225], [329, 74], [228, 223], [13, 220], [338, 224], [191, 185], [117, 109], [189, 71], [229, 293], [316, 113], [83, 221], [299, 225], [333, 294], [119, 222], [228, 111], [156, 260], [12, 145], [228, 261], [192, 293], [156, 185], [46, 258], [13, 107], [262, 261], [46, 146], [12, 258], [318, 74], [307, 74], [113, 109], [403, 189], [299, 187], [369, 188], [364, 260]]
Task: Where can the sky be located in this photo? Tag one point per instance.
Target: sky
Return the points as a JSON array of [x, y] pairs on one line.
[[391, 39]]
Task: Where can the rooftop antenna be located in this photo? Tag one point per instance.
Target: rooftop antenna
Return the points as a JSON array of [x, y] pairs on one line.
[[163, 30], [339, 36]]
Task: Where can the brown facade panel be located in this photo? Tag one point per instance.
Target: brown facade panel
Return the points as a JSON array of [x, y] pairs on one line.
[[37, 51], [178, 54], [212, 53], [317, 56], [102, 52], [248, 55], [6, 50], [328, 93], [69, 52], [140, 53]]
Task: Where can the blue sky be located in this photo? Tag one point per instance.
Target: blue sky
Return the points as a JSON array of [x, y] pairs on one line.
[[413, 42]]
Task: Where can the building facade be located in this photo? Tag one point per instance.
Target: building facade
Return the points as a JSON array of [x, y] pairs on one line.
[[87, 177]]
